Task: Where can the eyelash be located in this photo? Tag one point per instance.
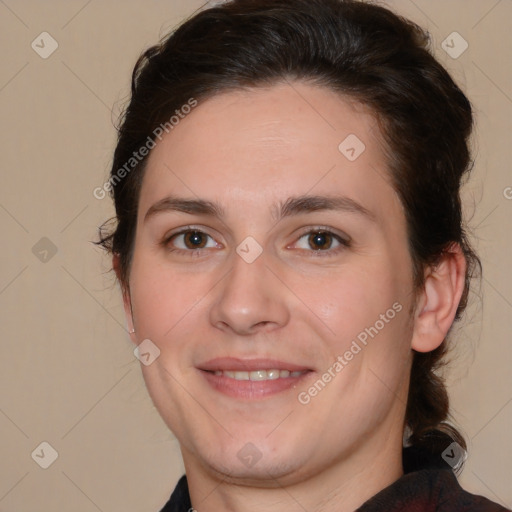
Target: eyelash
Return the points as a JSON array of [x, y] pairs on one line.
[[344, 243]]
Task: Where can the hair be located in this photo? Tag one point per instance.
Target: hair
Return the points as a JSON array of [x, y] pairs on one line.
[[365, 53]]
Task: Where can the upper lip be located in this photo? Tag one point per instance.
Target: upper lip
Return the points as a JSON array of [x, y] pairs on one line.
[[235, 364]]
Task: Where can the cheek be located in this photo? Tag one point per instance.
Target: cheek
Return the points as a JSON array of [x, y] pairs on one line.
[[162, 298], [351, 301], [369, 328]]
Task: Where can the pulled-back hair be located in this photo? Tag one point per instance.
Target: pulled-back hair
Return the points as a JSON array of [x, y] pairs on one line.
[[365, 53]]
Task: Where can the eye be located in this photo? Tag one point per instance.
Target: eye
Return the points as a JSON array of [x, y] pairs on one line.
[[189, 240], [322, 240]]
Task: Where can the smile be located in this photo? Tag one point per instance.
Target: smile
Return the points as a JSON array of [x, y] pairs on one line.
[[252, 379], [258, 375]]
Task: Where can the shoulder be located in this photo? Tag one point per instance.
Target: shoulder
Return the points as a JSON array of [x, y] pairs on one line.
[[452, 497], [429, 490], [180, 498]]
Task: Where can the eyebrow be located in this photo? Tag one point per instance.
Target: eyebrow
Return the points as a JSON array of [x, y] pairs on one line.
[[292, 206]]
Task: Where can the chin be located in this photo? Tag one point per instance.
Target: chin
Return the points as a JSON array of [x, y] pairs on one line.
[[261, 463]]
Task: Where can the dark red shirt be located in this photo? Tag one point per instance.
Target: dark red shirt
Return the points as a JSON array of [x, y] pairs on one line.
[[426, 490]]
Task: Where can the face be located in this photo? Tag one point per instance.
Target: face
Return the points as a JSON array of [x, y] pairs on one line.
[[271, 270]]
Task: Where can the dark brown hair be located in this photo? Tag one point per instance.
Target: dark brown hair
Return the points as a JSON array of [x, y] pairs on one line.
[[364, 52]]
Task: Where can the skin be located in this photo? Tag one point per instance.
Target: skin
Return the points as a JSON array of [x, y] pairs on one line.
[[249, 151]]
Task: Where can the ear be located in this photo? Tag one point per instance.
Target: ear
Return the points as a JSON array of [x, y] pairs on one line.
[[125, 289], [439, 299]]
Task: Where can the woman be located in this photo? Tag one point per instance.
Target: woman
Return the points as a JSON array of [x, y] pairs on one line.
[[291, 252]]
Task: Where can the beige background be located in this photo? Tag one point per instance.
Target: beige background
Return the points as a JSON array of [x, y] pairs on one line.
[[68, 375]]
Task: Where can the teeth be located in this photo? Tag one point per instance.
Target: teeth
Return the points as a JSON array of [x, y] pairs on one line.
[[258, 374], [273, 374]]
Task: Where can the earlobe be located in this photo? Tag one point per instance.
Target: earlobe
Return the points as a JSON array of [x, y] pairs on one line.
[[439, 300]]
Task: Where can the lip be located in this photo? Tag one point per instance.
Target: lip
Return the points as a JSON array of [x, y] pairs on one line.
[[239, 365], [248, 389]]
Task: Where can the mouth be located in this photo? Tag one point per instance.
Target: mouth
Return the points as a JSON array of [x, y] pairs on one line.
[[258, 375], [249, 379]]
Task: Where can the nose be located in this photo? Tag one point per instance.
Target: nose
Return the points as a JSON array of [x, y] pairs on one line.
[[250, 299]]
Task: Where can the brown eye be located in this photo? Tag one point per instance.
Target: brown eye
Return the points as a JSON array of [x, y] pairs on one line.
[[190, 240], [194, 239], [320, 240]]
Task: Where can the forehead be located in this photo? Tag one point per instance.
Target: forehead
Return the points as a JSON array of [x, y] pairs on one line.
[[256, 146]]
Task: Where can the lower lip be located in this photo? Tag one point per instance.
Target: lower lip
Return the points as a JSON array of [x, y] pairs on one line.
[[251, 389]]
